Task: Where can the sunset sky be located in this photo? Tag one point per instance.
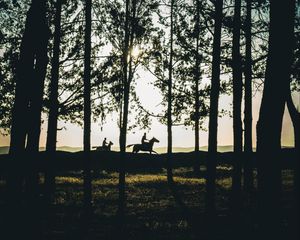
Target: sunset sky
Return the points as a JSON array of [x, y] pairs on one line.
[[150, 99], [182, 136]]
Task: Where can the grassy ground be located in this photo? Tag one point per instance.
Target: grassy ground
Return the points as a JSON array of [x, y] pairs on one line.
[[151, 211]]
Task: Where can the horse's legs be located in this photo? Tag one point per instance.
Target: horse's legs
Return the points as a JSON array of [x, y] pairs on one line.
[[135, 149]]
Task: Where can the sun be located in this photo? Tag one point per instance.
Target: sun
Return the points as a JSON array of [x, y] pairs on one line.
[[135, 52]]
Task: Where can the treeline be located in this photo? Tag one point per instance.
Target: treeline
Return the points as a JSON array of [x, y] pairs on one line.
[[79, 60]]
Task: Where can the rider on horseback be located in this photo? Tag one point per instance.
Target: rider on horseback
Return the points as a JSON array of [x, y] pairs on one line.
[[144, 139], [104, 143]]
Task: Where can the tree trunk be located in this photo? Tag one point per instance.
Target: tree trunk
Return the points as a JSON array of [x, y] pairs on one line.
[[248, 170], [53, 101], [20, 112], [237, 103], [197, 80], [123, 126], [295, 116], [87, 105], [214, 110], [269, 125], [169, 109], [36, 100], [31, 72]]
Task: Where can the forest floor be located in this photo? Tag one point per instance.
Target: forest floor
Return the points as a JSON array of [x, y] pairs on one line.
[[151, 210]]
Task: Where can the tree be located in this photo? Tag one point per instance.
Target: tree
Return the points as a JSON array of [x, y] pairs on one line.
[[293, 108], [87, 104], [26, 116], [213, 111], [248, 173], [237, 101], [269, 125], [53, 100], [169, 108], [197, 79], [124, 115]]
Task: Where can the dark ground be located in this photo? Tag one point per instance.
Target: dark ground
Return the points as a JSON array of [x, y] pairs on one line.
[[151, 211]]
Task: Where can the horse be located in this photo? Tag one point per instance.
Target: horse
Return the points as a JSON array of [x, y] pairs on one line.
[[104, 148], [148, 147]]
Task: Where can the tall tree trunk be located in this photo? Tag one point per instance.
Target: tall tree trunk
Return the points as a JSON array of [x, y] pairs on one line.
[[248, 170], [237, 103], [197, 80], [295, 116], [123, 126], [53, 108], [20, 112], [87, 104], [169, 108], [34, 128], [36, 99], [26, 121], [269, 125], [214, 110]]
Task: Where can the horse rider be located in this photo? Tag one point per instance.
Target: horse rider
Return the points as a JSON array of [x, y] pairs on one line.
[[144, 139], [104, 143]]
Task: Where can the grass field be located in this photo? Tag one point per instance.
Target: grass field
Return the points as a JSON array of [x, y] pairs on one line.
[[151, 211]]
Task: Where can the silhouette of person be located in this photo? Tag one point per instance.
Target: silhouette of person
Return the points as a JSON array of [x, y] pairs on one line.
[[144, 139], [104, 143]]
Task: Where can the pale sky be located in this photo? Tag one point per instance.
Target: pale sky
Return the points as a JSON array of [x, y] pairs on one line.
[[182, 136]]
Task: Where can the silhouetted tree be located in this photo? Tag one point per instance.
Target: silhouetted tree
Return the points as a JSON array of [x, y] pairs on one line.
[[292, 102], [124, 111], [213, 112], [87, 104], [26, 118], [295, 117], [169, 108], [237, 101], [53, 101], [197, 80], [269, 125], [248, 172]]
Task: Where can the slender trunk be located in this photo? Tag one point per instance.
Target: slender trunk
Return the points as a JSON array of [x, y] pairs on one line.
[[237, 103], [123, 126], [248, 173], [53, 100], [169, 110], [214, 110], [87, 104], [197, 80], [295, 116], [269, 125]]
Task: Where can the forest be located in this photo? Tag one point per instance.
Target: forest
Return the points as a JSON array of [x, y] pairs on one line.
[[84, 61]]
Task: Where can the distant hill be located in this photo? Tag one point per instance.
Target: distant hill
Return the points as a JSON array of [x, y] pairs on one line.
[[226, 148], [4, 150]]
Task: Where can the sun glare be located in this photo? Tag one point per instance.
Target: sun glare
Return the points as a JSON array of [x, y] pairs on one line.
[[135, 52]]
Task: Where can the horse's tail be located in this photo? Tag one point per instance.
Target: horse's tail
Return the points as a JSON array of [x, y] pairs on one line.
[[130, 145]]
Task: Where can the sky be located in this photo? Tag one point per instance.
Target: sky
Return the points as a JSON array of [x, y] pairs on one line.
[[72, 135], [182, 136]]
